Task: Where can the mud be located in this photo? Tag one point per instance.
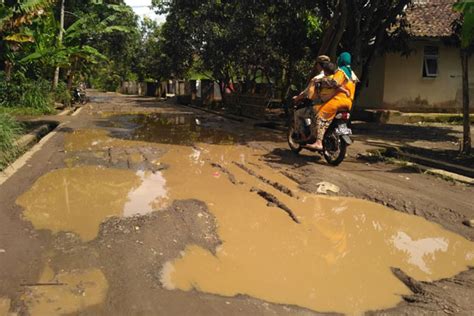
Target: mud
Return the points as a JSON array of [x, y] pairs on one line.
[[4, 306], [335, 234], [66, 292], [258, 260], [79, 199]]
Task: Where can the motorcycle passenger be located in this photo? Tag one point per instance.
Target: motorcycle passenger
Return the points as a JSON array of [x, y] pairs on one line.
[[341, 100]]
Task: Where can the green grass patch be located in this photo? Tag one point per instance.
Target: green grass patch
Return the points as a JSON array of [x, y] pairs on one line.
[[10, 130], [26, 96], [19, 111]]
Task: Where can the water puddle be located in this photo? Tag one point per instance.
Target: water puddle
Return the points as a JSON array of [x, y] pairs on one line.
[[171, 128], [66, 293], [96, 140], [79, 199], [279, 244], [4, 306], [337, 259], [149, 196]]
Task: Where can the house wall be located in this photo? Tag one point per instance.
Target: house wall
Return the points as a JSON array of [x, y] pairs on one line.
[[405, 88], [443, 93], [371, 96]]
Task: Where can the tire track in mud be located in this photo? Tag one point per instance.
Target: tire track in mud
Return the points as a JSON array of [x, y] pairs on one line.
[[270, 198], [276, 185], [231, 177], [274, 201]]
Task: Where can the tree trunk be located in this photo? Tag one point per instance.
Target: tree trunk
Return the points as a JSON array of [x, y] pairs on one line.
[[60, 40], [8, 70], [466, 142], [328, 37], [340, 31]]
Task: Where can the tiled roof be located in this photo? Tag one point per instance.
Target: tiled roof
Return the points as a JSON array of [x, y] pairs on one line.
[[431, 18]]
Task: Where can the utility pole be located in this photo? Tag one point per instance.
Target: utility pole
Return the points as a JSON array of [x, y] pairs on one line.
[[60, 41]]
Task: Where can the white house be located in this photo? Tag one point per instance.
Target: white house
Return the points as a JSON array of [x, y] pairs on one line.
[[429, 79]]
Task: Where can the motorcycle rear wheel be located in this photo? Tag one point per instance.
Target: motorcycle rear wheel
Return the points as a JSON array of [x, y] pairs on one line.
[[334, 148]]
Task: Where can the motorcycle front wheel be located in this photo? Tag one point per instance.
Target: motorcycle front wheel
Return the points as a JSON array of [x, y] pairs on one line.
[[294, 146], [334, 148]]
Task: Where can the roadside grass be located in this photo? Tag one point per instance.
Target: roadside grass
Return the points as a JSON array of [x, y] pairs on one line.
[[21, 96], [26, 111], [10, 130]]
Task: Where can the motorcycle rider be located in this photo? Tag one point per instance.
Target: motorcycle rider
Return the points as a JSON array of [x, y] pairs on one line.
[[309, 92], [321, 89], [342, 99]]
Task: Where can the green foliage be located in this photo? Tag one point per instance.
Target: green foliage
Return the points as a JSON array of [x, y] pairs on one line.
[[9, 132], [95, 33], [21, 92], [62, 94], [236, 40], [466, 7], [106, 79]]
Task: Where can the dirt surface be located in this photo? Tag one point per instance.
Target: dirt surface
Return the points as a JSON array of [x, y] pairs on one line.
[[431, 140], [122, 262]]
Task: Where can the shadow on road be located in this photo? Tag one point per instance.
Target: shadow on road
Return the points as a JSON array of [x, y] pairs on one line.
[[287, 157], [405, 133]]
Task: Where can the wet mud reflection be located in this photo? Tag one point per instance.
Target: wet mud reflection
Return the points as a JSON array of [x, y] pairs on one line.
[[178, 129], [80, 199]]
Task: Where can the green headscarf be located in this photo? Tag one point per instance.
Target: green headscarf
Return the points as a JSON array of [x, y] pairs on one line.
[[344, 63]]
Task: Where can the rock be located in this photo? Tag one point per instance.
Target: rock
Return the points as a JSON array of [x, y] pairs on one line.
[[469, 222], [325, 187]]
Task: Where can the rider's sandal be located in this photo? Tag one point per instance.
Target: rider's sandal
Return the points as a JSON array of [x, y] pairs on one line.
[[314, 147]]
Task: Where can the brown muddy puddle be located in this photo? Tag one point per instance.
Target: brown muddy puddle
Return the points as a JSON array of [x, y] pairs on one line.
[[65, 293], [79, 199], [171, 128], [4, 306], [338, 258]]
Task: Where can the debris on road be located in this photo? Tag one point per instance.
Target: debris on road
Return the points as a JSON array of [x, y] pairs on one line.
[[325, 187], [469, 222]]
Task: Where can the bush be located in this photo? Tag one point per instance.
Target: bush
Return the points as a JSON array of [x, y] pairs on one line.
[[21, 92], [9, 132], [62, 94]]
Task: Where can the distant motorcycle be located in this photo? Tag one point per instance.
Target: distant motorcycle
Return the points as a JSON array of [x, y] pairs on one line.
[[336, 139], [79, 96]]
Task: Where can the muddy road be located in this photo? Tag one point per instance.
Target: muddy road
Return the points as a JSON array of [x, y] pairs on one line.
[[139, 207]]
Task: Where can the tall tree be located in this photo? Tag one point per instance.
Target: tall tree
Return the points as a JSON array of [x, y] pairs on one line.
[[359, 26], [467, 36], [228, 40]]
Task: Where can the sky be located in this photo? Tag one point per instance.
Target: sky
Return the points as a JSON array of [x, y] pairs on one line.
[[141, 7]]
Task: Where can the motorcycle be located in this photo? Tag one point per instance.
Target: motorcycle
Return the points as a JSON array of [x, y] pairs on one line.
[[79, 96], [336, 139]]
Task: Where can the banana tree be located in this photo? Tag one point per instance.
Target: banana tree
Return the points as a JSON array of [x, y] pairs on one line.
[[14, 19], [81, 35]]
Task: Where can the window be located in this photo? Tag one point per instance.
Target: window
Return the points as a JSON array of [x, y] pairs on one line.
[[430, 62]]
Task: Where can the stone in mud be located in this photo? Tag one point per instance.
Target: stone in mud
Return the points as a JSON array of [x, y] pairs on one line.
[[325, 187], [469, 222]]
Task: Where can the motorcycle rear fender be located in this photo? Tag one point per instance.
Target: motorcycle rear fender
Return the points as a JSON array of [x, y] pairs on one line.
[[347, 139]]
